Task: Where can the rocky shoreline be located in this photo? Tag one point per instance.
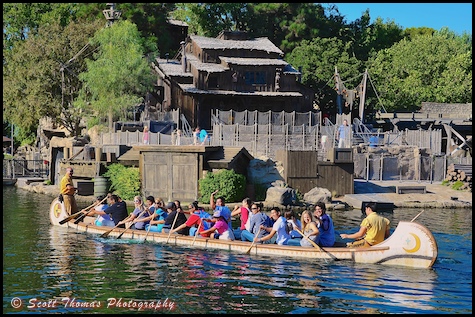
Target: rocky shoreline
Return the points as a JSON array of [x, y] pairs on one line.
[[437, 195]]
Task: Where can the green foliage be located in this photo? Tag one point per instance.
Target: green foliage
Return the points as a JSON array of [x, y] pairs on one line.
[[436, 68], [119, 76], [318, 59], [33, 81], [125, 181], [457, 184], [298, 195], [231, 186]]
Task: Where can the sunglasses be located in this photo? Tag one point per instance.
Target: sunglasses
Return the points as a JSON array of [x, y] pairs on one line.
[[254, 208]]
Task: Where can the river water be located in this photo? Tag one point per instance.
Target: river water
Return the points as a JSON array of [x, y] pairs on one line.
[[50, 269]]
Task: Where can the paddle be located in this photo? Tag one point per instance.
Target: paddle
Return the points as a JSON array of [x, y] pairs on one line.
[[417, 215], [77, 213], [81, 217], [120, 235], [312, 242], [173, 225], [148, 230], [105, 234], [197, 232], [252, 244]]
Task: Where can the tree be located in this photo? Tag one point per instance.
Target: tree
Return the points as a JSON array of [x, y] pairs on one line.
[[434, 68], [32, 77], [119, 76], [318, 59]]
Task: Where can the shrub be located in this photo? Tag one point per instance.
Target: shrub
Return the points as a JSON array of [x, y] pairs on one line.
[[456, 185], [231, 186], [125, 181]]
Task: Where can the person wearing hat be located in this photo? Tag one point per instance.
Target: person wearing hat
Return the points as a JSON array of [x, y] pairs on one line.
[[175, 218], [220, 228]]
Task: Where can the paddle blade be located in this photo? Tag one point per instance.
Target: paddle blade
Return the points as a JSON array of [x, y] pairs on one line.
[[68, 218], [106, 234], [80, 218]]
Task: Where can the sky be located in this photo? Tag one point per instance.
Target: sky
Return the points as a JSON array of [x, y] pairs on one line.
[[456, 16]]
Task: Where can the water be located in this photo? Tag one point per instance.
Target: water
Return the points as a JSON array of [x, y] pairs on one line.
[[50, 264]]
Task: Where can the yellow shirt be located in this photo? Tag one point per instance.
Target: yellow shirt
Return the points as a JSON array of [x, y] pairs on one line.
[[63, 187], [375, 228]]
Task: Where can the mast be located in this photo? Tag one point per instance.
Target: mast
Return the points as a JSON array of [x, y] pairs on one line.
[[362, 95]]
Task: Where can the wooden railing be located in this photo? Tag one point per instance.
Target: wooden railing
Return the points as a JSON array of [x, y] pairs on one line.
[[14, 168]]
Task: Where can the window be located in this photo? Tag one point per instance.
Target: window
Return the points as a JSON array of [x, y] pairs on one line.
[[252, 78]]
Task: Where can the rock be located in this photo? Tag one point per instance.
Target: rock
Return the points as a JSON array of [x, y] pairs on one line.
[[318, 194], [281, 195], [264, 171]]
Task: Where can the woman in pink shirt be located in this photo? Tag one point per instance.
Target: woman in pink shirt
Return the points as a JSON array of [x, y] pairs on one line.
[[220, 227]]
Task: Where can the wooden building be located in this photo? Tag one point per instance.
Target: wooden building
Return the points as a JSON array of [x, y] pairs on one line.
[[231, 71], [303, 171], [173, 172]]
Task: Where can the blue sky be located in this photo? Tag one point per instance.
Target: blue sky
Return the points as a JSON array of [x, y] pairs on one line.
[[456, 16]]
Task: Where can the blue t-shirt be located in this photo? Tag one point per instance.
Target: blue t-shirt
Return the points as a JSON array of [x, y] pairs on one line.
[[257, 220], [203, 134]]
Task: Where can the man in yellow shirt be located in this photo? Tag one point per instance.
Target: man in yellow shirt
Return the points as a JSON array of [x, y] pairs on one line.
[[373, 229], [67, 190]]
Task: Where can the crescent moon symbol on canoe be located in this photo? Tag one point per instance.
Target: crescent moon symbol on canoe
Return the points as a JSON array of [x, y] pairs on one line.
[[417, 246]]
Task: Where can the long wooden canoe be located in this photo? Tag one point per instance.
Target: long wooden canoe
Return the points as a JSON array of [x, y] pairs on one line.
[[411, 244]]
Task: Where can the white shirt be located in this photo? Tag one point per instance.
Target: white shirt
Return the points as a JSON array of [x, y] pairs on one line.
[[279, 227]]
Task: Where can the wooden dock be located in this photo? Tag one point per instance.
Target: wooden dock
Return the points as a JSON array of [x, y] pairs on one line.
[[358, 201]]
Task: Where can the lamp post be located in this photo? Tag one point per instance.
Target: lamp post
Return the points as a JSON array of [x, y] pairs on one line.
[[111, 15]]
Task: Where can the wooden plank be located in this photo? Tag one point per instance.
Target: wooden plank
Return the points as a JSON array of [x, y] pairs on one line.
[[408, 189]]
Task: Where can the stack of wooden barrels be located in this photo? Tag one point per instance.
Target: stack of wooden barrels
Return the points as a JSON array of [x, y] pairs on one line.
[[461, 173]]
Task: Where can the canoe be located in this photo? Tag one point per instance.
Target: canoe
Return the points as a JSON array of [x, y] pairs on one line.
[[410, 245]]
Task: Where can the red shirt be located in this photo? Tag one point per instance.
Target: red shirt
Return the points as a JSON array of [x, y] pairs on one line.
[[195, 219]]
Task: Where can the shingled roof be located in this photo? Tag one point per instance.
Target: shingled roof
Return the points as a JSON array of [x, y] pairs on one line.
[[258, 44], [253, 61]]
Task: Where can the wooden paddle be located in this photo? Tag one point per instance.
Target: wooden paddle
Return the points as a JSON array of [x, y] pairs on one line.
[[310, 240], [148, 230], [73, 216], [105, 234], [197, 232], [173, 225], [81, 217], [417, 215], [252, 244], [120, 235]]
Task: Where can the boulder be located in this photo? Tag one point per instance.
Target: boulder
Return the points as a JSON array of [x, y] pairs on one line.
[[281, 195], [318, 194]]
